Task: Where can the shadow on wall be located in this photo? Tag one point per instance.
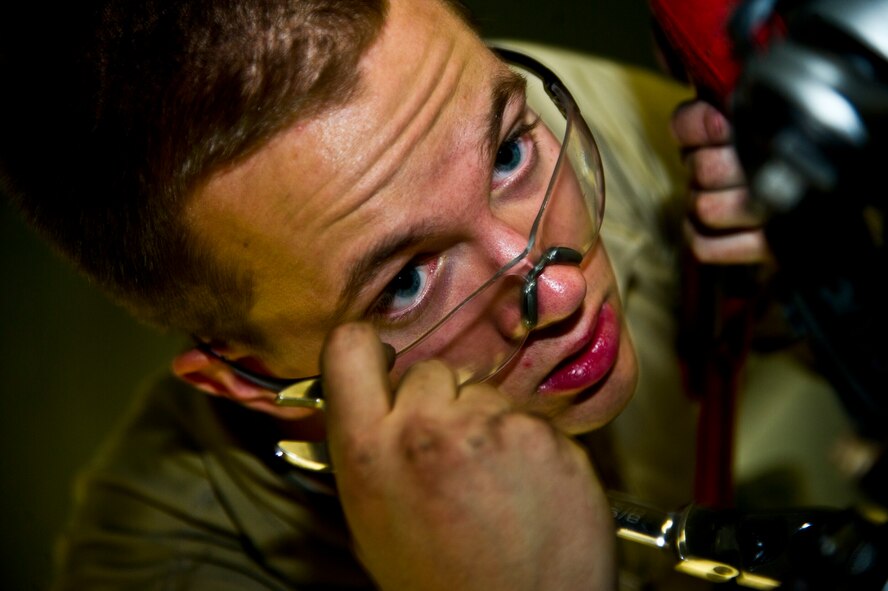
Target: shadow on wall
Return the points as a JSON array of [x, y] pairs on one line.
[[70, 359]]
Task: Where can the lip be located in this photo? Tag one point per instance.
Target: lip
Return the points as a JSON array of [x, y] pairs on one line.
[[592, 361]]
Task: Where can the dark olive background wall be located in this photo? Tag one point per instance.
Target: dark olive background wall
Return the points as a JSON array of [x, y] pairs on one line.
[[616, 28], [70, 360]]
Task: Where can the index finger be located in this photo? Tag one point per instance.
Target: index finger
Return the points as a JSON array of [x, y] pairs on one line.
[[356, 383]]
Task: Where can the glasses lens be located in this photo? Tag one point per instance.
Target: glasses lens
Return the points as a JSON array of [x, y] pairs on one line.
[[553, 196]]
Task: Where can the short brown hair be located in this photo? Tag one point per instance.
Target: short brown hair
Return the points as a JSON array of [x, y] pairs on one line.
[[113, 112]]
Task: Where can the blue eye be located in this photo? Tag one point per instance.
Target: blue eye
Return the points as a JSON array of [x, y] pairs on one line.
[[405, 290], [509, 158], [515, 153]]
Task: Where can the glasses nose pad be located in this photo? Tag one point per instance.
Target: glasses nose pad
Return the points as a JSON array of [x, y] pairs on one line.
[[564, 288]]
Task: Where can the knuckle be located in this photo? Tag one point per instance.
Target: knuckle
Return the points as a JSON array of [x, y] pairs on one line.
[[421, 440], [715, 168], [725, 209], [706, 169], [426, 373], [485, 397], [441, 458], [459, 438], [434, 440], [711, 209]]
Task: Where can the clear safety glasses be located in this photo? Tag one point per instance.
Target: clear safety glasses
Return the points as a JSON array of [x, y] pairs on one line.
[[471, 308]]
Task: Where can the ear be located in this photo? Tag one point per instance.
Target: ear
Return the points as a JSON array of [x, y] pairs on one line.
[[214, 377]]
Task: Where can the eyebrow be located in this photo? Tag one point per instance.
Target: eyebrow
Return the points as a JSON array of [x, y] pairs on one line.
[[384, 249], [507, 87]]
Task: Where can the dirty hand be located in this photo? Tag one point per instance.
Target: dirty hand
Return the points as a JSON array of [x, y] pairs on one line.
[[447, 487]]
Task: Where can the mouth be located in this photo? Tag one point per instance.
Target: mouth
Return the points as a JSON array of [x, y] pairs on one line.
[[593, 359]]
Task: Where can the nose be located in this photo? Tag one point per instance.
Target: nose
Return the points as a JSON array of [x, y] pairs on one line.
[[554, 289]]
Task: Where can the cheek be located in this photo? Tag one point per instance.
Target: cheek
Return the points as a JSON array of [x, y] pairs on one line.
[[600, 274], [625, 377], [608, 402]]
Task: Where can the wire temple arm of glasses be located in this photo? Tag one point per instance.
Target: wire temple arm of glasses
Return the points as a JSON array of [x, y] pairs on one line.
[[551, 82], [304, 392]]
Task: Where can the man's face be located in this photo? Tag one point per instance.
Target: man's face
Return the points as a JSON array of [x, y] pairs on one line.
[[378, 209]]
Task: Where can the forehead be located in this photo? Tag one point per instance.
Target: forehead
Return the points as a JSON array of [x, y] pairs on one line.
[[301, 212]]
